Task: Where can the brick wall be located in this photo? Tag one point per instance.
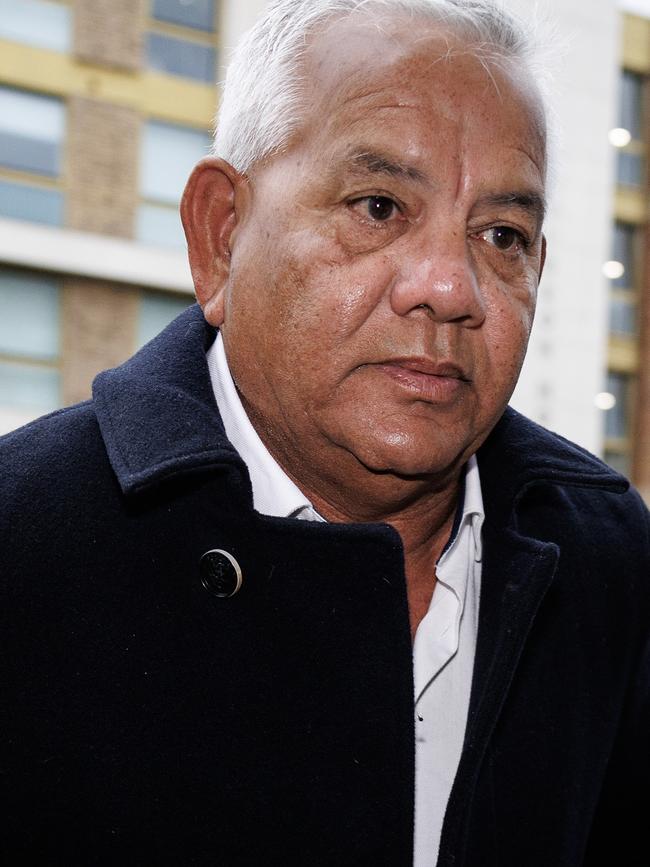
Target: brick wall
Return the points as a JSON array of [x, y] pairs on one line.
[[98, 331], [102, 167], [109, 32]]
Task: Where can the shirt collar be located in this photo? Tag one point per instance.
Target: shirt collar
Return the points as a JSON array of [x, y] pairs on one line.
[[473, 510], [274, 493], [470, 511]]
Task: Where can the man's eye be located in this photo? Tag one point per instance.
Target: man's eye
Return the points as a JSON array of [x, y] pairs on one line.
[[505, 238], [380, 208]]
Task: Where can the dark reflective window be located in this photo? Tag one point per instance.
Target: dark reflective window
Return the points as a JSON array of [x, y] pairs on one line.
[[188, 13], [631, 103], [622, 315], [31, 131], [29, 346], [181, 57], [624, 250], [156, 312], [29, 325], [27, 202], [618, 461], [630, 169], [617, 418]]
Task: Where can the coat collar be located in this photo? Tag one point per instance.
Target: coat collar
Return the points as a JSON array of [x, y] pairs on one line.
[[157, 412], [159, 420], [519, 455]]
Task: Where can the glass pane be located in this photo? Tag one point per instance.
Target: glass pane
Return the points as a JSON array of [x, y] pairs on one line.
[[29, 324], [31, 131], [618, 462], [180, 57], [616, 419], [167, 156], [629, 169], [26, 386], [157, 311], [190, 13], [631, 102], [34, 22], [160, 226], [624, 249], [622, 316], [24, 202]]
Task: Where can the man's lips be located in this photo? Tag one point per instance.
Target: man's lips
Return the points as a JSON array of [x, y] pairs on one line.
[[434, 381]]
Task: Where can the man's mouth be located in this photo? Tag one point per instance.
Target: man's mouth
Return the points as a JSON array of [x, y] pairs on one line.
[[432, 381]]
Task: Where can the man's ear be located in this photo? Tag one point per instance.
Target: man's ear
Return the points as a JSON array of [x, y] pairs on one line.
[[210, 210]]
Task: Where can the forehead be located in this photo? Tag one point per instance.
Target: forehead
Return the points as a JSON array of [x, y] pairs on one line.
[[416, 83]]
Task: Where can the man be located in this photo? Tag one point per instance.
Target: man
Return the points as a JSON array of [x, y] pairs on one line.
[[217, 610]]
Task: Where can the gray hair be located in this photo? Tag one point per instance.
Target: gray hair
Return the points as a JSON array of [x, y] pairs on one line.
[[261, 106]]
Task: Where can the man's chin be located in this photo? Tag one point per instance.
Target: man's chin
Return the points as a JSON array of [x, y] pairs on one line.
[[406, 462]]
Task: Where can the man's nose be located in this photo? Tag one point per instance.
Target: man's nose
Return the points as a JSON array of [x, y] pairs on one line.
[[444, 282]]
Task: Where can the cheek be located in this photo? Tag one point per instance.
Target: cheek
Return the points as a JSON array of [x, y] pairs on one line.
[[510, 320], [331, 301]]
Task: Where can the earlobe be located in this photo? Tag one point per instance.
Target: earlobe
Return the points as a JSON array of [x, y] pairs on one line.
[[210, 212]]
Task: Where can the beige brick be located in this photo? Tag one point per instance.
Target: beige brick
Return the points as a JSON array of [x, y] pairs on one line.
[[98, 331], [109, 32], [102, 167]]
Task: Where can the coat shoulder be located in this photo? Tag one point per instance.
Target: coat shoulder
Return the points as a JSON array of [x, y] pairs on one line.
[[48, 468], [556, 491]]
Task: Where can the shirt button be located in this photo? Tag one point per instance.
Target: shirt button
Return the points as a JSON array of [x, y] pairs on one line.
[[220, 573]]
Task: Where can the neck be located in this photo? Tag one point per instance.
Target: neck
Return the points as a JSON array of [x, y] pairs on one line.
[[420, 509], [424, 526]]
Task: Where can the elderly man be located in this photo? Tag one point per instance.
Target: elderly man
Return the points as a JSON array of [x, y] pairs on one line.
[[354, 611]]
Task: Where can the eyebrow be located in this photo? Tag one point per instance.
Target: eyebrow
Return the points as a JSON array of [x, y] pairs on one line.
[[531, 202], [367, 161]]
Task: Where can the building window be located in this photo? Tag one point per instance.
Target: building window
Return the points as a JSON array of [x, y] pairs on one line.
[[617, 419], [181, 38], [631, 103], [179, 57], [32, 128], [167, 155], [630, 167], [623, 314], [618, 461], [30, 380], [623, 295], [626, 251], [157, 310], [40, 23], [27, 202], [196, 13]]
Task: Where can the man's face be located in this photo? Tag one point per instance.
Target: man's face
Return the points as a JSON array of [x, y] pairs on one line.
[[383, 280]]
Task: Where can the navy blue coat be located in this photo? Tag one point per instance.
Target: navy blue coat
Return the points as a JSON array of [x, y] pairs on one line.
[[147, 721]]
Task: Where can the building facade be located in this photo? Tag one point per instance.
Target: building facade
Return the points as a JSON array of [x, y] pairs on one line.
[[105, 105], [627, 390]]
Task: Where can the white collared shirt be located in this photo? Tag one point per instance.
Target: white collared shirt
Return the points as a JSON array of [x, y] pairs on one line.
[[445, 641], [443, 663]]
